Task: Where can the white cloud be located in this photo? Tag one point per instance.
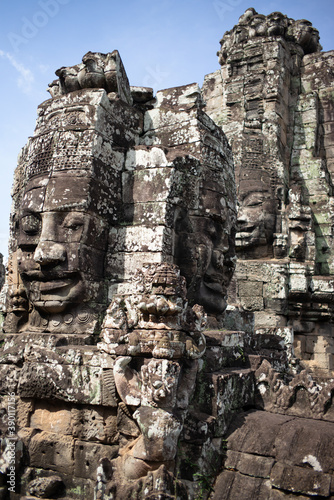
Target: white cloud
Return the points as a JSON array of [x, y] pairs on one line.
[[25, 78]]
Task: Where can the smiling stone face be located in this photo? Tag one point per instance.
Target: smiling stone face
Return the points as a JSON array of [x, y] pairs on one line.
[[205, 252], [66, 196], [305, 35], [256, 214], [60, 246], [277, 24]]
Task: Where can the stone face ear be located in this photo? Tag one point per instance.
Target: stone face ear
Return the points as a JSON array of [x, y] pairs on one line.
[[116, 78]]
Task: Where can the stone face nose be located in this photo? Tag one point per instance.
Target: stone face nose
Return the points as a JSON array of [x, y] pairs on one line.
[[48, 252], [218, 258], [242, 219]]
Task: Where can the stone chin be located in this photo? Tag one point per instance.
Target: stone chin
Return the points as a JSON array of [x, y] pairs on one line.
[[249, 239], [56, 295], [212, 297], [51, 306]]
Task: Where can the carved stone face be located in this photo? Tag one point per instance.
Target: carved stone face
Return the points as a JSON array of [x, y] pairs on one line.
[[277, 24], [256, 215], [257, 26], [159, 382], [306, 36], [247, 15], [240, 34], [61, 243], [204, 253], [302, 31], [225, 43]]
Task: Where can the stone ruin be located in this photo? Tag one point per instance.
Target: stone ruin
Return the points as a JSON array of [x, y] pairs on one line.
[[273, 96], [170, 257]]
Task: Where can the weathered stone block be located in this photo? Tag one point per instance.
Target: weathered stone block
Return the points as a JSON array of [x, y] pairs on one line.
[[88, 424], [87, 457], [53, 420], [198, 427], [46, 487], [234, 486], [148, 213], [258, 434], [52, 451], [251, 295], [223, 393], [268, 319], [250, 465], [64, 382], [123, 265], [300, 480], [150, 184], [142, 239], [23, 409], [9, 377], [111, 435]]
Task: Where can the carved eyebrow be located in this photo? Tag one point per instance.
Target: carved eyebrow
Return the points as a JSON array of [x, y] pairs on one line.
[[74, 218], [27, 211], [263, 194]]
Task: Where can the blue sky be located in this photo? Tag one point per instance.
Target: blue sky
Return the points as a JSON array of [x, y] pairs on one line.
[[163, 43]]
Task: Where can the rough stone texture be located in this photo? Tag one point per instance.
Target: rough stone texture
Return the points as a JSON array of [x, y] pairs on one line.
[[273, 97], [46, 487], [3, 290], [161, 341], [114, 363], [267, 453], [101, 347], [103, 187]]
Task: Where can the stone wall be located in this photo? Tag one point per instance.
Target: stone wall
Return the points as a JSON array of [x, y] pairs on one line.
[[273, 98], [118, 379], [122, 242], [2, 289]]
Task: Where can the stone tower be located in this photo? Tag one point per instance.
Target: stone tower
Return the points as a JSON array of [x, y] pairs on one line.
[[273, 98], [118, 379]]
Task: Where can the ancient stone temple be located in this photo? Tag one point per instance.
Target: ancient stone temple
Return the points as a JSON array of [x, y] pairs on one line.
[[162, 277], [273, 97]]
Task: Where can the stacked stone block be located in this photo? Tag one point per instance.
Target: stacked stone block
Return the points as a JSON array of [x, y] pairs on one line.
[[273, 98]]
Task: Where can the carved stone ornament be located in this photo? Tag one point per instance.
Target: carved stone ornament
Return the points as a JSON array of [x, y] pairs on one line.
[[170, 256]]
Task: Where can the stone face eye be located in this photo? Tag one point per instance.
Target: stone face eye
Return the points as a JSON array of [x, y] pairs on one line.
[[73, 222], [31, 224], [74, 226]]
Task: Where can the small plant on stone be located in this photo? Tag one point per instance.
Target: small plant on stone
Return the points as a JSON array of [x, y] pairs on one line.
[[204, 482], [241, 355]]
